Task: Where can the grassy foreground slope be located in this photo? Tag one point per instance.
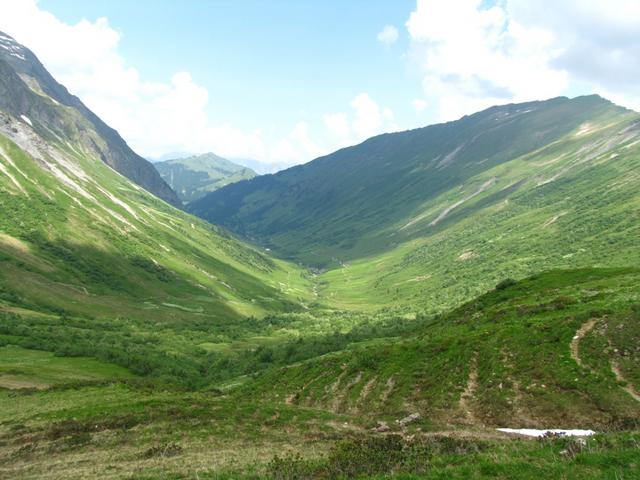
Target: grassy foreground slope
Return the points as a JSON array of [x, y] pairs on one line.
[[557, 349], [509, 358]]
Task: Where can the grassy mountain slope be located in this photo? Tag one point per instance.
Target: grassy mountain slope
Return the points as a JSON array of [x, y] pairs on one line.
[[573, 203], [93, 265], [509, 358], [28, 91], [559, 348], [195, 176], [354, 202], [429, 218]]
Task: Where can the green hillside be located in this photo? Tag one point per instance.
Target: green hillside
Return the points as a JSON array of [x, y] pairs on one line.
[[558, 350], [366, 199], [473, 275], [398, 221], [193, 177], [91, 264]]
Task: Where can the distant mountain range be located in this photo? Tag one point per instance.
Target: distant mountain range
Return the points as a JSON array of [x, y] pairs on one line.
[[194, 176]]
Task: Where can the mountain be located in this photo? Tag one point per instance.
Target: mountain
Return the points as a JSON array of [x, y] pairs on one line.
[[121, 274], [28, 92], [194, 176], [559, 348], [434, 216], [477, 275]]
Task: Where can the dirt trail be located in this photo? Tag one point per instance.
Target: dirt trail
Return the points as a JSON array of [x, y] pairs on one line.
[[575, 342], [469, 393], [391, 382], [364, 393], [340, 397], [620, 378]]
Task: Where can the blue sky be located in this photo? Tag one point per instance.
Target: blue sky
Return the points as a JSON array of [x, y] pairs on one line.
[[267, 62], [287, 81]]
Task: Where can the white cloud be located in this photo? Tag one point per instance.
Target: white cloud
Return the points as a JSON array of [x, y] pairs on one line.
[[366, 119], [154, 117], [419, 105], [473, 55], [388, 35], [597, 43], [297, 146]]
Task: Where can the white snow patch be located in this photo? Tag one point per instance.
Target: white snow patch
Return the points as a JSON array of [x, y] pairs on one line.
[[533, 432], [27, 120]]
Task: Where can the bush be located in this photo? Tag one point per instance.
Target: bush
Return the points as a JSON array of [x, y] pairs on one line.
[[506, 283], [372, 456]]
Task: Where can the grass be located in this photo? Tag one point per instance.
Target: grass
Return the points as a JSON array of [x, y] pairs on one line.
[[24, 368], [141, 258], [314, 418], [154, 345], [516, 344]]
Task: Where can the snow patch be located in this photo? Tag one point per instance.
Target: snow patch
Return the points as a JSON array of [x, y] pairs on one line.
[[533, 432]]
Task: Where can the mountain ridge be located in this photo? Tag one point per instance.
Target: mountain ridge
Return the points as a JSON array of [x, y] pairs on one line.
[[194, 176], [23, 92], [395, 173]]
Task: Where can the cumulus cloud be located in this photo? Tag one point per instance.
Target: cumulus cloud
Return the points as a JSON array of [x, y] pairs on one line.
[[388, 35], [597, 43], [365, 120], [473, 54], [154, 117], [419, 105], [473, 57]]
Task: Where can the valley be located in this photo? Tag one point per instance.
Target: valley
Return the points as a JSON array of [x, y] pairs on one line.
[[379, 312]]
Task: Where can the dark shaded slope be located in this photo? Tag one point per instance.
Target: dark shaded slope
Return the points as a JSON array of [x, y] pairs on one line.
[[343, 205]]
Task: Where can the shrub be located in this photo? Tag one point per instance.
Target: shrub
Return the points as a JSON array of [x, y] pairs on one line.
[[506, 283]]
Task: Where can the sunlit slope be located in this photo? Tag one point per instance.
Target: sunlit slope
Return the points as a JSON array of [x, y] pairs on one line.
[[572, 203], [559, 349], [78, 238]]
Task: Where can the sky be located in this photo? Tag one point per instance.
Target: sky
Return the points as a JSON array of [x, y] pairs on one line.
[[286, 81]]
